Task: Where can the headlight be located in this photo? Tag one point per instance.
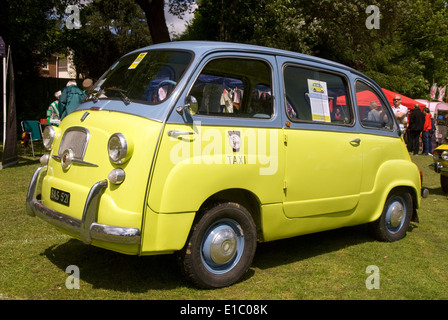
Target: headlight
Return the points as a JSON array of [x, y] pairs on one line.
[[445, 155], [119, 148], [48, 137]]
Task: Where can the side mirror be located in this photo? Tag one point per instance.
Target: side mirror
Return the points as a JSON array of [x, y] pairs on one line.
[[191, 104]]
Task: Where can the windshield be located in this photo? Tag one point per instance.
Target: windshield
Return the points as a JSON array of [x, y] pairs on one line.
[[147, 76]]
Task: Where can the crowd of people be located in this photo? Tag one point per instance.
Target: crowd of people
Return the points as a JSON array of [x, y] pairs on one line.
[[67, 100], [417, 124]]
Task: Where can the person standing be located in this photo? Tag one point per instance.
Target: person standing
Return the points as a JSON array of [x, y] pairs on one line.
[[400, 111], [70, 98], [427, 133], [415, 128], [53, 115]]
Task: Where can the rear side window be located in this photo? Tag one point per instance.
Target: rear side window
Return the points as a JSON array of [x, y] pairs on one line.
[[234, 87], [371, 109], [316, 96]]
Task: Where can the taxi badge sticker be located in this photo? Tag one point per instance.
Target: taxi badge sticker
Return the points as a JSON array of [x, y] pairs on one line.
[[137, 60], [235, 140]]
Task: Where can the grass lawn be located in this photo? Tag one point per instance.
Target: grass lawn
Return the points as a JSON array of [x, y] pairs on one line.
[[328, 265]]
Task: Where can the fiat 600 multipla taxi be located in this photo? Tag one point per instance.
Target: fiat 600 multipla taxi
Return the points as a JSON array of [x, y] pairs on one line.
[[204, 149]]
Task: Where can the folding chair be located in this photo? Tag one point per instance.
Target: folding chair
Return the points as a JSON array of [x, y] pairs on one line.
[[34, 130]]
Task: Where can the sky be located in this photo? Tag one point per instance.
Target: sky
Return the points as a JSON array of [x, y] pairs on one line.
[[176, 25]]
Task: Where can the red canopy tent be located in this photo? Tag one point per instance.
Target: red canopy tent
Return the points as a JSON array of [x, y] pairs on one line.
[[407, 102], [363, 98]]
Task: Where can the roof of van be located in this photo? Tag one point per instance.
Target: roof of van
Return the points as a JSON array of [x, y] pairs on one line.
[[203, 47]]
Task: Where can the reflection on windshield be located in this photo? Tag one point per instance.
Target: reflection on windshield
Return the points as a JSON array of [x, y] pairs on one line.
[[149, 77]]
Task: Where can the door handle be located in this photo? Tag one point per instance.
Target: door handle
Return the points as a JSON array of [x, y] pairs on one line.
[[176, 133], [356, 142]]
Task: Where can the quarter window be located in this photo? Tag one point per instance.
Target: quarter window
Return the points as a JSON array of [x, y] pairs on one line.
[[234, 87], [372, 111], [316, 96]]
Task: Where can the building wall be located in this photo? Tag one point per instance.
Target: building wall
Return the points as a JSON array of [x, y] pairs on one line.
[[58, 67]]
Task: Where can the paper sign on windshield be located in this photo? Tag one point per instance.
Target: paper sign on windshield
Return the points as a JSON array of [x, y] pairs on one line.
[[137, 60], [318, 94]]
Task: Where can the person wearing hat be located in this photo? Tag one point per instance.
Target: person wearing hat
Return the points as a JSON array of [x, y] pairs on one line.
[[53, 116]]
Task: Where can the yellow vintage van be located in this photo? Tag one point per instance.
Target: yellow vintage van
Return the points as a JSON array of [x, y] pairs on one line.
[[204, 149], [440, 156]]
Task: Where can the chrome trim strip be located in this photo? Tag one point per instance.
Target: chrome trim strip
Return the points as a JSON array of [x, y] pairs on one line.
[[87, 228], [74, 160], [110, 233]]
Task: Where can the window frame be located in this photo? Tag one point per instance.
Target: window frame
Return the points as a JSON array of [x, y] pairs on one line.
[[385, 105], [331, 72], [241, 116]]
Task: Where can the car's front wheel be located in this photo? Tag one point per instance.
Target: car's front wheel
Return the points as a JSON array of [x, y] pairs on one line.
[[220, 247]]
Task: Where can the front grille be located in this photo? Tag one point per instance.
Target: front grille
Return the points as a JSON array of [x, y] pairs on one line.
[[75, 138]]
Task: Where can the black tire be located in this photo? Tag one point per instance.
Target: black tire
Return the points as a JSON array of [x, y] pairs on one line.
[[396, 217], [444, 183], [220, 247]]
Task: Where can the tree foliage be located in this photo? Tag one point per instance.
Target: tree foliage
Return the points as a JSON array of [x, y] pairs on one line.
[[110, 28], [405, 54], [28, 32]]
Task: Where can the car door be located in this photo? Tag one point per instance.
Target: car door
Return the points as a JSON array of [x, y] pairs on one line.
[[230, 140], [323, 155]]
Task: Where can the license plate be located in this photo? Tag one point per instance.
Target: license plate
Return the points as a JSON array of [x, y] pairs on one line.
[[60, 196]]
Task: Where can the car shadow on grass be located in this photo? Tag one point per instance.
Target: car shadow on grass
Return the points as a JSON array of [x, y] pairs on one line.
[[436, 191], [300, 248], [109, 270]]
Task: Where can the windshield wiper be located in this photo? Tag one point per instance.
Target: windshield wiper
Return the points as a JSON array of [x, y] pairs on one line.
[[93, 94], [122, 92]]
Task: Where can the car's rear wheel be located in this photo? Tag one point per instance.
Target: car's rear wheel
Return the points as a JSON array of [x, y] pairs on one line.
[[395, 218], [220, 247]]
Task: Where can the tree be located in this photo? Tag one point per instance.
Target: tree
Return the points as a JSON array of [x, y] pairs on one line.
[[405, 54], [155, 18], [110, 28], [27, 31]]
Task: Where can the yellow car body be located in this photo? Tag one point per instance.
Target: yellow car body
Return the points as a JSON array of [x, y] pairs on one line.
[[267, 174], [440, 156]]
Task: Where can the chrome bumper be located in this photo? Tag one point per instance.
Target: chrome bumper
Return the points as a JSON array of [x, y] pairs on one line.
[[87, 228], [439, 167]]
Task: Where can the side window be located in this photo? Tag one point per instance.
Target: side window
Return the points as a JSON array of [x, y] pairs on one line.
[[371, 110], [317, 96], [234, 87]]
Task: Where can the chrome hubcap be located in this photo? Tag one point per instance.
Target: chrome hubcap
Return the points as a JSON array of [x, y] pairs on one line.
[[222, 246], [395, 215]]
